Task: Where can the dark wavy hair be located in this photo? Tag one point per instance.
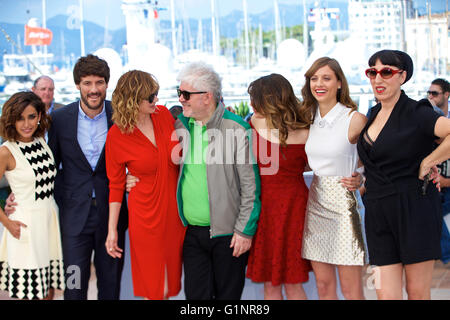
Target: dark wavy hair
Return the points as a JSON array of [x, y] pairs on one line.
[[272, 96], [309, 104], [90, 65], [12, 111]]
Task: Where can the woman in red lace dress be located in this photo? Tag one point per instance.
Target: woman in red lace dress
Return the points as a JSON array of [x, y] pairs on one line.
[[140, 141], [280, 133]]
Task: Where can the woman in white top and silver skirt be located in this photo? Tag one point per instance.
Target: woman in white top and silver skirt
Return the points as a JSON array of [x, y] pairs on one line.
[[333, 232]]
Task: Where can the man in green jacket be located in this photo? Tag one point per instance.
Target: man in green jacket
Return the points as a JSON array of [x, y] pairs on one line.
[[218, 188]]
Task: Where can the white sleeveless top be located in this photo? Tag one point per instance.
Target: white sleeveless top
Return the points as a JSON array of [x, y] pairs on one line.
[[329, 151]]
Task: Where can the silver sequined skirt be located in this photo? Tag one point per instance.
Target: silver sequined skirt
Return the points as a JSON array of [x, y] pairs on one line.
[[333, 231]]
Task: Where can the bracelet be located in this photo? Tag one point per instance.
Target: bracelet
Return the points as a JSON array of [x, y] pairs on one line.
[[360, 170], [363, 181]]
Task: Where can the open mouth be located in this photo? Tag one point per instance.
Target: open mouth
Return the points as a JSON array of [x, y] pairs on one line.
[[380, 89], [320, 92]]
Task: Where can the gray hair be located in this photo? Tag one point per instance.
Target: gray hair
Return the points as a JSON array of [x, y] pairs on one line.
[[202, 77]]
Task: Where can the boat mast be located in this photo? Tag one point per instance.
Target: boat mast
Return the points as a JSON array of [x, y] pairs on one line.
[[213, 27], [172, 22], [305, 30], [277, 23], [403, 21], [44, 25], [200, 35], [247, 54], [81, 29]]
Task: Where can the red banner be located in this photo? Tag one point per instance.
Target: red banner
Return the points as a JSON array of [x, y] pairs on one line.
[[37, 36]]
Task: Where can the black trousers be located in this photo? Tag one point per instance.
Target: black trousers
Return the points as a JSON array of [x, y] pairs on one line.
[[210, 270], [77, 253]]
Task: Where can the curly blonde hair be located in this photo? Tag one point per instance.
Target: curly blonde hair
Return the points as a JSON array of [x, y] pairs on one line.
[[133, 87], [272, 96]]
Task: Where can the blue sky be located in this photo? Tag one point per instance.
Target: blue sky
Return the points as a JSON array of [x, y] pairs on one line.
[[108, 12]]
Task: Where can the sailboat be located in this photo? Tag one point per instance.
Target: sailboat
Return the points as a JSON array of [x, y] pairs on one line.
[[20, 69]]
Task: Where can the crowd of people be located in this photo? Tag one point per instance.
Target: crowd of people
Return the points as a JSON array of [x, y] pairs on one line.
[[203, 191]]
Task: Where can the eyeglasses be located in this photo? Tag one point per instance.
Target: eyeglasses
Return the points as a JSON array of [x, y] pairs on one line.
[[187, 94], [434, 93], [385, 73], [152, 97]]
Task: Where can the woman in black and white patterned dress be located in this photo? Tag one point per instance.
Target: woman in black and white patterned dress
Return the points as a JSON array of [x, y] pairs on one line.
[[31, 264]]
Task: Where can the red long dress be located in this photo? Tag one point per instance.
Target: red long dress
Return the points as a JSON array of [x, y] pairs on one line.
[[155, 229], [275, 255]]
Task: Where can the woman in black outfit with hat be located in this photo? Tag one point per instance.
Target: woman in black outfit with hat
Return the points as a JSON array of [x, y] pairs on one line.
[[403, 218]]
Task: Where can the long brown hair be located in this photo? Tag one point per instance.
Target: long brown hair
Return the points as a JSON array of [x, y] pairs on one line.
[[13, 109], [309, 104], [273, 97]]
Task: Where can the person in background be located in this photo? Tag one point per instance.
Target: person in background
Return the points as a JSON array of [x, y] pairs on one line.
[[140, 141], [31, 262], [175, 111], [438, 95], [44, 87], [403, 212], [280, 135], [333, 237]]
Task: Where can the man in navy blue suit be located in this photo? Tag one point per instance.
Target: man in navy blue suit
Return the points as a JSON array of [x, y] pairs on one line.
[[77, 138]]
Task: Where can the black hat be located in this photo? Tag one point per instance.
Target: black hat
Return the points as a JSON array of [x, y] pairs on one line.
[[407, 64], [397, 58]]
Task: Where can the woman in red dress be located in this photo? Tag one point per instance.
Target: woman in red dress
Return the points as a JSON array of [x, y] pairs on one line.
[[140, 141], [279, 146]]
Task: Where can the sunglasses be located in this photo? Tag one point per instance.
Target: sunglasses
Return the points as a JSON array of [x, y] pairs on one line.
[[187, 94], [434, 93], [152, 97], [385, 73]]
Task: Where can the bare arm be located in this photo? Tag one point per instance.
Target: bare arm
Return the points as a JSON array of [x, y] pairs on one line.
[[357, 123], [444, 182], [111, 240], [442, 152], [7, 162]]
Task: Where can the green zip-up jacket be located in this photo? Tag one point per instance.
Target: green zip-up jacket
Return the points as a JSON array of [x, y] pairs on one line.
[[231, 171]]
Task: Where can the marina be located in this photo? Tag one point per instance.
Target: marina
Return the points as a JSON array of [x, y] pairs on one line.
[[372, 25], [253, 57]]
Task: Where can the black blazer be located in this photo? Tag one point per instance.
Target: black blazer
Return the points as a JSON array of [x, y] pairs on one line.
[[392, 163], [75, 182]]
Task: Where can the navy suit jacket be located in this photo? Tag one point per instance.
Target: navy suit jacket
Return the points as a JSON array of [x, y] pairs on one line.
[[75, 182]]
